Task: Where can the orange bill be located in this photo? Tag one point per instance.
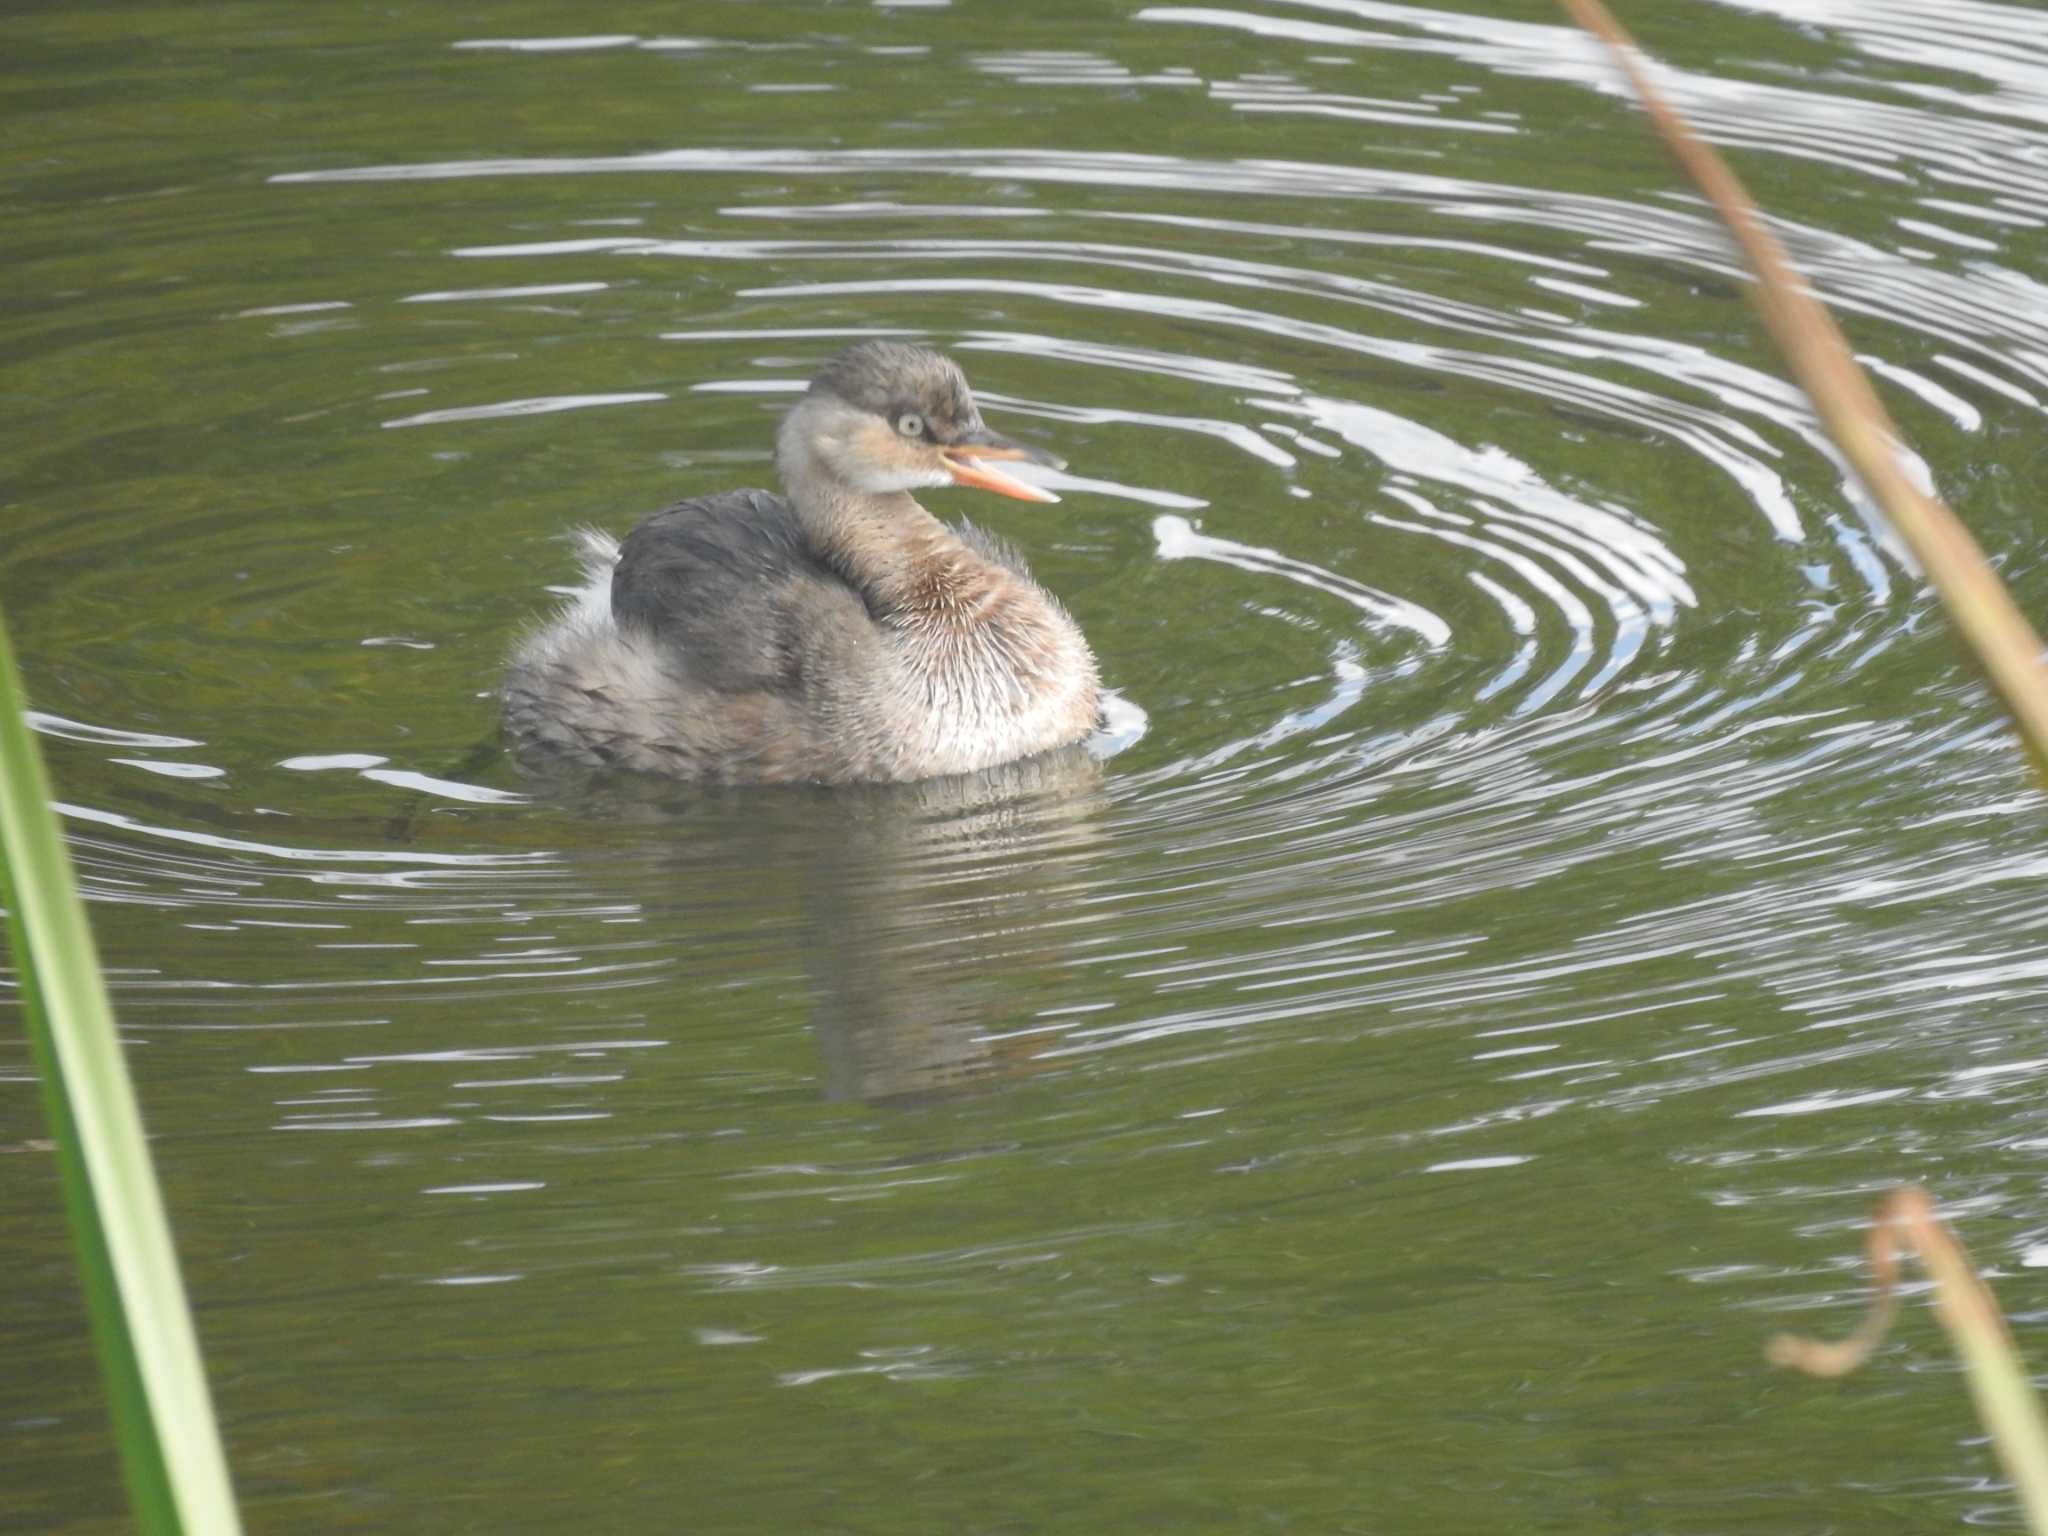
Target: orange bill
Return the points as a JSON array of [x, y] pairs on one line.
[[969, 466]]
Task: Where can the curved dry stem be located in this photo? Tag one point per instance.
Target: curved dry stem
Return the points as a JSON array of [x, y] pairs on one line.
[[1999, 1387], [1818, 1357]]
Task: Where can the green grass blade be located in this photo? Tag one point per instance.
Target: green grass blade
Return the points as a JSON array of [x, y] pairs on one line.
[[163, 1417]]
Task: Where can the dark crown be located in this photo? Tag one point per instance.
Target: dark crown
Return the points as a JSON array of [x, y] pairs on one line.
[[890, 377]]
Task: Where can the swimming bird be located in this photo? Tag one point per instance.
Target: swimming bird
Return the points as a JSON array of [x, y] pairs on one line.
[[837, 633]]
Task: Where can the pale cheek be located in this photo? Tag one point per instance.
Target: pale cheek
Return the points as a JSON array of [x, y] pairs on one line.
[[881, 479], [868, 466]]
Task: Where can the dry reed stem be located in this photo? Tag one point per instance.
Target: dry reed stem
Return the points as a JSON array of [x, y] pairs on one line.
[[2004, 643], [1904, 1214], [1999, 1387]]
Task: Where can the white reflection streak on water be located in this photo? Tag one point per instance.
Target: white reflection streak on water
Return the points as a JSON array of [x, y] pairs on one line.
[[1561, 599], [1178, 540], [47, 724], [531, 861], [538, 406], [1855, 276]]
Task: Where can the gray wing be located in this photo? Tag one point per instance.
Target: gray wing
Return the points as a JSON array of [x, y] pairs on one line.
[[731, 587]]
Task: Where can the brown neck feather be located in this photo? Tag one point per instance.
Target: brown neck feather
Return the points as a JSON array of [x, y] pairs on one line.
[[899, 555]]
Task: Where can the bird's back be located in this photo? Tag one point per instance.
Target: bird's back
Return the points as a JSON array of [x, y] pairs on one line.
[[693, 650], [727, 584]]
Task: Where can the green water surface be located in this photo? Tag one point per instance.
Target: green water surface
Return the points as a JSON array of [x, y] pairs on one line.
[[1565, 872]]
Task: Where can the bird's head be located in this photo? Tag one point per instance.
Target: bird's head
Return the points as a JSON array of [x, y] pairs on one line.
[[887, 416]]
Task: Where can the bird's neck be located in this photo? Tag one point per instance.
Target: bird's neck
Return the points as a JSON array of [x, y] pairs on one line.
[[902, 559]]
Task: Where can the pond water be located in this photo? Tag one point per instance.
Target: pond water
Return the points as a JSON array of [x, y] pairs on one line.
[[1566, 867]]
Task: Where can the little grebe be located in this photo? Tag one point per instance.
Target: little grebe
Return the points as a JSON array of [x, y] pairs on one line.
[[839, 633]]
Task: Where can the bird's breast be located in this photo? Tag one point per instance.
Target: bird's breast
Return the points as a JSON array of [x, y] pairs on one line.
[[1001, 676]]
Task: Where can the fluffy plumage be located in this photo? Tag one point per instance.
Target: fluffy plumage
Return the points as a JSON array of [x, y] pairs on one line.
[[836, 634]]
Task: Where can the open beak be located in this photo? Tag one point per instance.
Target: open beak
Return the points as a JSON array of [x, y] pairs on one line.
[[968, 463]]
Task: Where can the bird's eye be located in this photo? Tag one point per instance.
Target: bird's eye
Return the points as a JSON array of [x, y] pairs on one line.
[[910, 424]]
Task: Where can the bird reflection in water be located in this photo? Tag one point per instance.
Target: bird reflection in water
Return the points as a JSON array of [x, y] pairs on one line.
[[920, 911]]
